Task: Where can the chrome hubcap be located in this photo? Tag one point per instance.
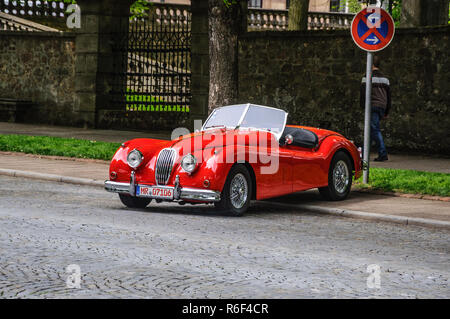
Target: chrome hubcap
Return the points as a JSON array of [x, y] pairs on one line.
[[238, 191], [341, 177]]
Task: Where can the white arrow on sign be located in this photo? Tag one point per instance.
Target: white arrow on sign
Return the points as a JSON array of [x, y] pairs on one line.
[[374, 40], [374, 20]]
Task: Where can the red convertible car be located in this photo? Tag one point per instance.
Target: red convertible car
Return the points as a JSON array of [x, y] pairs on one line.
[[242, 153]]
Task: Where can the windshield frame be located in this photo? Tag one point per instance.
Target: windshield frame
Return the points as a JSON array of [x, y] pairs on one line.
[[277, 135]]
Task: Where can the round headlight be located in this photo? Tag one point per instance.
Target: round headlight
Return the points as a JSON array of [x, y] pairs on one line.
[[188, 163], [135, 158]]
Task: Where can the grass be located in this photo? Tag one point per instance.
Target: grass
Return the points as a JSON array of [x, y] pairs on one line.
[[148, 103], [56, 146], [408, 181], [389, 180]]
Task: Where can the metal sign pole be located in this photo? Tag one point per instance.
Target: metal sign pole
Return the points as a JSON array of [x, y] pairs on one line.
[[367, 117]]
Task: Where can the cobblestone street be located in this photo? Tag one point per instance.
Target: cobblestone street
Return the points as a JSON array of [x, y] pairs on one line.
[[172, 251]]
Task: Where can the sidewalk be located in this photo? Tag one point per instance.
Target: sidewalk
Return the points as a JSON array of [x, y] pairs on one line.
[[78, 133], [381, 205], [411, 162]]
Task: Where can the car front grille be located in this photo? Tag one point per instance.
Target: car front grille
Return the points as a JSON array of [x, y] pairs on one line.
[[164, 165]]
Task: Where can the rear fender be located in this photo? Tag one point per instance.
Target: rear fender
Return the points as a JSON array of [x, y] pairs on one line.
[[333, 144]]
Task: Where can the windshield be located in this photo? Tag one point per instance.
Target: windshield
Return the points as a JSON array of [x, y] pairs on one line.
[[265, 118], [228, 116], [248, 116]]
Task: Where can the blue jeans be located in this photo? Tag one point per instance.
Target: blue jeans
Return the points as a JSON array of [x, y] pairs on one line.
[[375, 133]]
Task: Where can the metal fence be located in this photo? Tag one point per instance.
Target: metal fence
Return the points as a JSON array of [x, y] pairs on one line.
[[157, 53]]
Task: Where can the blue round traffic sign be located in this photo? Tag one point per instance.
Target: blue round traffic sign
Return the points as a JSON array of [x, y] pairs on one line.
[[373, 29]]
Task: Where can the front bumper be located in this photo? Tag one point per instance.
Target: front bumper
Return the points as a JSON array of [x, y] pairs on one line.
[[180, 193]]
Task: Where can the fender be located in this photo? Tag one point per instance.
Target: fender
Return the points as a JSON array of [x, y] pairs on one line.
[[334, 143]]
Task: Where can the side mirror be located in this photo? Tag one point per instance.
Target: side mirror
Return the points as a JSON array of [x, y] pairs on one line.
[[289, 139]]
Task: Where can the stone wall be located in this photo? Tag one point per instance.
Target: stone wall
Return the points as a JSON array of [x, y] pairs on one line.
[[40, 67], [316, 77]]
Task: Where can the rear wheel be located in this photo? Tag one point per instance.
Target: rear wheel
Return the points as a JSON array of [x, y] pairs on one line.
[[237, 192], [134, 202], [339, 178]]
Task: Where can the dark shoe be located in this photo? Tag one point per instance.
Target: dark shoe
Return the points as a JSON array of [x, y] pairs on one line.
[[381, 159]]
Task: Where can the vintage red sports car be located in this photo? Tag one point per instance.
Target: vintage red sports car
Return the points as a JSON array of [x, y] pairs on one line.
[[242, 153]]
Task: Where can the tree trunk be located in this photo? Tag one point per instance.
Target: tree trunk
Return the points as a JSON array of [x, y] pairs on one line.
[[416, 13], [298, 15], [225, 24], [410, 16], [435, 12]]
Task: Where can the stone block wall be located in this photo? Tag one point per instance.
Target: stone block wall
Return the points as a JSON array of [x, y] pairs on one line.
[[39, 67], [316, 77]]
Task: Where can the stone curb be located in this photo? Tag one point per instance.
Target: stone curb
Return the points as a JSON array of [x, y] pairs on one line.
[[57, 158], [364, 215], [311, 208], [52, 178]]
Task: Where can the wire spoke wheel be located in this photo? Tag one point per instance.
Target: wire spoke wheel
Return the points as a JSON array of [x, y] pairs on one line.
[[238, 191], [341, 177]]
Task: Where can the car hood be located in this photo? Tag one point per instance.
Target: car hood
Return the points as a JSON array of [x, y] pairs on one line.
[[147, 146], [213, 139]]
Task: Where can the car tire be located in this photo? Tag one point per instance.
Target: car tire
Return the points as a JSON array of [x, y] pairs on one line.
[[134, 202], [340, 176], [237, 192]]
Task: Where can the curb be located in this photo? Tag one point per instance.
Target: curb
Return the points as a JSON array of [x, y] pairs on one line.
[[52, 178], [311, 208], [364, 215], [56, 158]]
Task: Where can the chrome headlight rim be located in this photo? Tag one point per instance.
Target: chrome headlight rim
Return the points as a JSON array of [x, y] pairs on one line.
[[135, 163], [189, 167]]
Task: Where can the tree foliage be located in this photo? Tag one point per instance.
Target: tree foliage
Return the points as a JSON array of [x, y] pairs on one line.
[[396, 11], [139, 8]]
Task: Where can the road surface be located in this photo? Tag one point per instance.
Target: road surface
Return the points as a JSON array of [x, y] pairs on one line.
[[172, 251]]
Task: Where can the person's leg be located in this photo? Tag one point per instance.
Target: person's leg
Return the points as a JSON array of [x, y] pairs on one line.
[[375, 128], [376, 133], [382, 152]]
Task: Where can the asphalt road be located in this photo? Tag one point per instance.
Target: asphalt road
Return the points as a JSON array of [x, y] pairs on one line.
[[172, 251]]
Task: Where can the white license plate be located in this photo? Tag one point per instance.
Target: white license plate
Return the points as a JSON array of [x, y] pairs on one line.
[[155, 192]]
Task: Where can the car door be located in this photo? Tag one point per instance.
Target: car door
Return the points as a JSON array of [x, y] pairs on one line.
[[307, 168], [274, 174]]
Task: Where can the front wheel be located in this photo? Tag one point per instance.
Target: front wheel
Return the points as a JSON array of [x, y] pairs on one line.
[[134, 202], [237, 192], [339, 178]]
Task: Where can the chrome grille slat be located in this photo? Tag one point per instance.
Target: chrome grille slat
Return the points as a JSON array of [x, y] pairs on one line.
[[164, 165]]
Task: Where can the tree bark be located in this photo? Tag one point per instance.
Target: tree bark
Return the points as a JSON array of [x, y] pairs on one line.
[[298, 15], [410, 16], [416, 13], [225, 25], [435, 12]]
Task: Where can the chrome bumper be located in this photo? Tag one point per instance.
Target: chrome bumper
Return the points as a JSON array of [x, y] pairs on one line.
[[180, 193]]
